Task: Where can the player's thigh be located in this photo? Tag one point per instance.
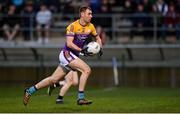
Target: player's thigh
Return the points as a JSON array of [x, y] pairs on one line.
[[58, 73], [80, 65]]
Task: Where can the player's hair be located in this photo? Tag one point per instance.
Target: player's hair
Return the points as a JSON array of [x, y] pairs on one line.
[[84, 8]]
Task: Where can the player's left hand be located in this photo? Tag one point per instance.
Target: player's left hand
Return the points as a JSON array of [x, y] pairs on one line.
[[100, 52]]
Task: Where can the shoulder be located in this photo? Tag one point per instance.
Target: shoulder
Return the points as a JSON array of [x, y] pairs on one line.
[[73, 24], [91, 26]]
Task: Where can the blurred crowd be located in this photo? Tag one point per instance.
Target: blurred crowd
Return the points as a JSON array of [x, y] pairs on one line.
[[168, 22]]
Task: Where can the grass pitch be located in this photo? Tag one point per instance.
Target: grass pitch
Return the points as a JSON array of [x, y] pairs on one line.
[[105, 100]]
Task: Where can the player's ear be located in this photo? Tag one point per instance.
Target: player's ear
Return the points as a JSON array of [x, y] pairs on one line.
[[81, 14]]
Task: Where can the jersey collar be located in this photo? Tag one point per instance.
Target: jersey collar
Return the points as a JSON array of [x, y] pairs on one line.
[[81, 24]]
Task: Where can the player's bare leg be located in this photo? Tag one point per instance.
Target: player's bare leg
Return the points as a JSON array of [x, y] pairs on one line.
[[75, 79], [70, 79], [53, 86], [55, 77], [85, 72]]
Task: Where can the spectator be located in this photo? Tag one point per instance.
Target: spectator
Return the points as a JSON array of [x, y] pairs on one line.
[[102, 34], [19, 5], [147, 6], [178, 6], [4, 3], [112, 3], [178, 19], [105, 7], [28, 22], [1, 20], [11, 23], [140, 21], [105, 22], [162, 7], [178, 27], [54, 5], [128, 7], [119, 3], [43, 19], [169, 24], [69, 8], [30, 2], [95, 5]]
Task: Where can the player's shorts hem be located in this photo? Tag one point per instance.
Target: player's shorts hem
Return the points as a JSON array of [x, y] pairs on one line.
[[66, 57]]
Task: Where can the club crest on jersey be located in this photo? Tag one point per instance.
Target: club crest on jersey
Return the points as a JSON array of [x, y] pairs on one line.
[[83, 30]]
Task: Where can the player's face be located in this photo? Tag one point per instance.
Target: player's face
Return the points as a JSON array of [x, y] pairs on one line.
[[87, 16]]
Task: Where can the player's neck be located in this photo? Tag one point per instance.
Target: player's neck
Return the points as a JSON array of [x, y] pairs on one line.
[[81, 22]]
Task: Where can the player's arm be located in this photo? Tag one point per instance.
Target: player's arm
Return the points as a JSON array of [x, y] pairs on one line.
[[71, 45], [98, 40], [70, 37], [95, 34]]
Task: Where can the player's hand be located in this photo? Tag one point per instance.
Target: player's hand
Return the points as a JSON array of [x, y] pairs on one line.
[[85, 52], [100, 52]]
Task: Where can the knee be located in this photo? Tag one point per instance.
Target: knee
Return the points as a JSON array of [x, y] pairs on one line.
[[75, 83], [87, 71]]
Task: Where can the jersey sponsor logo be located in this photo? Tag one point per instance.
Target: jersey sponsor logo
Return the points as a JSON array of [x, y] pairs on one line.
[[82, 36]]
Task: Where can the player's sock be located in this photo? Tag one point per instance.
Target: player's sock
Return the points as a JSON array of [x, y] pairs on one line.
[[59, 100], [60, 97], [31, 90], [81, 95]]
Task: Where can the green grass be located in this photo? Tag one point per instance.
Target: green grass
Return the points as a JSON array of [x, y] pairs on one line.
[[105, 100]]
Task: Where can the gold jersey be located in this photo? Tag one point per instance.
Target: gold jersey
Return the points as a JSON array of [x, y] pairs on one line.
[[80, 33]]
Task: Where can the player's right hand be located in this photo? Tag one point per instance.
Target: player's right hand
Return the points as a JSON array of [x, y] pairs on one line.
[[85, 52]]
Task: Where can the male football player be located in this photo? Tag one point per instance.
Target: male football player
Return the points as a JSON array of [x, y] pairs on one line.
[[76, 35]]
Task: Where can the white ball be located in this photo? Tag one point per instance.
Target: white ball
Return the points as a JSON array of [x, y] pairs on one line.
[[93, 47]]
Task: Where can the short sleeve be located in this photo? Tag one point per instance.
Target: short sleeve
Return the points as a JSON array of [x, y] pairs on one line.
[[70, 30], [93, 30]]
